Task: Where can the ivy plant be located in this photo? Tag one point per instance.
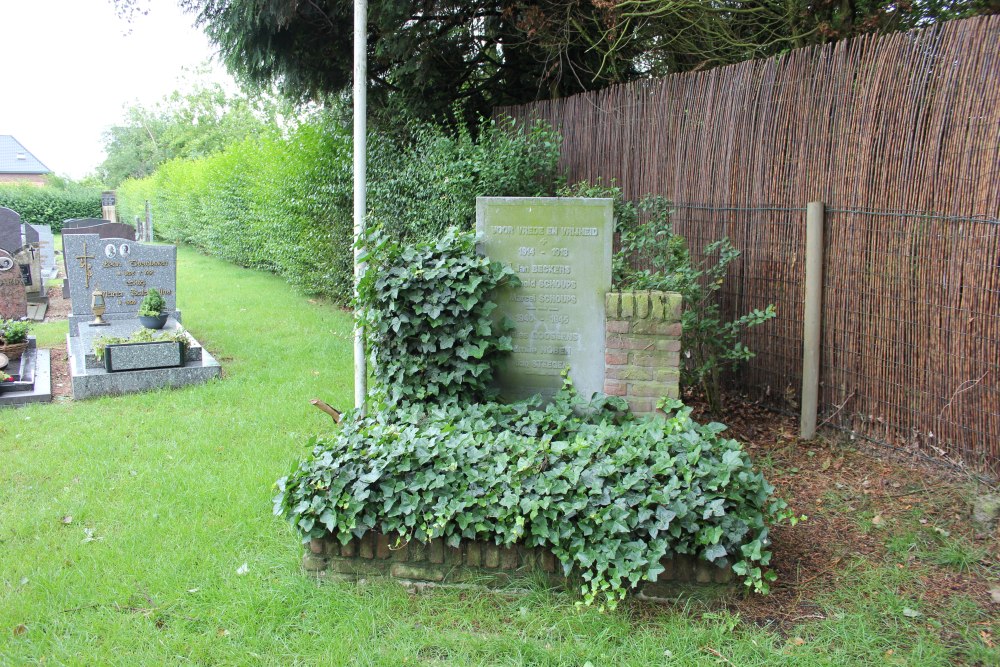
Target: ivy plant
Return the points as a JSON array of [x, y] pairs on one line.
[[429, 318], [712, 343], [609, 494]]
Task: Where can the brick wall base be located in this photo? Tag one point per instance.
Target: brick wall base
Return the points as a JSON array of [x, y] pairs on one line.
[[416, 564], [643, 347]]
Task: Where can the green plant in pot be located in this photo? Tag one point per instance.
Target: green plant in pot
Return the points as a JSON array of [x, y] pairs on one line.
[[13, 337], [153, 310]]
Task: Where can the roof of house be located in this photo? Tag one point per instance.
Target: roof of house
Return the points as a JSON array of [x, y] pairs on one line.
[[15, 158]]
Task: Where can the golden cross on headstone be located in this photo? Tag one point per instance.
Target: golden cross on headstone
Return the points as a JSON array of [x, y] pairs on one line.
[[84, 264]]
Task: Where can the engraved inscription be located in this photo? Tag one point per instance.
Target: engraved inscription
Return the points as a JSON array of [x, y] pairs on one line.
[[560, 250]]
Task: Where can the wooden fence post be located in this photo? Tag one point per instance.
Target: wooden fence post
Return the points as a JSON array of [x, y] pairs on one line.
[[812, 329]]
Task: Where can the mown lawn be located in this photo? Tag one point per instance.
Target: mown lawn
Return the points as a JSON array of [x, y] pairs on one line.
[[125, 523]]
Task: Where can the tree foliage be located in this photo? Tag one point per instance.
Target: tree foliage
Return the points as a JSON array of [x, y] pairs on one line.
[[192, 124], [446, 59]]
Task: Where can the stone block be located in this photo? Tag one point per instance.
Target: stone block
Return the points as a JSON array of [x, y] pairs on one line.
[[657, 328], [629, 373], [331, 546], [366, 546], [453, 555], [648, 389], [417, 551], [313, 563], [508, 558], [656, 359], [703, 572], [641, 406], [656, 306], [435, 550], [724, 575], [640, 343], [382, 550], [641, 305], [667, 375], [627, 305], [316, 545], [612, 305], [358, 567], [491, 555], [668, 345], [673, 306], [417, 571], [549, 561], [473, 554], [349, 550]]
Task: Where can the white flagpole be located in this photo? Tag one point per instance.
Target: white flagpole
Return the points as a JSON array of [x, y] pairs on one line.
[[360, 183]]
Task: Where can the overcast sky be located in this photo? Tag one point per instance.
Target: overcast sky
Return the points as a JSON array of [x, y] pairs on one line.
[[68, 68]]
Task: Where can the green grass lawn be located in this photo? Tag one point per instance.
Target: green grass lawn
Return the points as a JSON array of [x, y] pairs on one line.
[[124, 523]]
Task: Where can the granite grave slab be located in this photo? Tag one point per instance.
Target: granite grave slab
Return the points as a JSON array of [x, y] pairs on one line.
[[33, 377], [561, 250], [91, 378]]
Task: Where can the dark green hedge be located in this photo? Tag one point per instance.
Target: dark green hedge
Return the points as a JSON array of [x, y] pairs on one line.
[[285, 205], [50, 205]]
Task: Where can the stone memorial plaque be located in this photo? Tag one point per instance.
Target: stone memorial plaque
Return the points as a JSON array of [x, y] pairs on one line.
[[560, 248], [13, 298], [10, 230], [121, 268], [143, 356]]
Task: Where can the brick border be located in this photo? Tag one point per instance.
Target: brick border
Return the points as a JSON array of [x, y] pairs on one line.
[[417, 564], [642, 347]]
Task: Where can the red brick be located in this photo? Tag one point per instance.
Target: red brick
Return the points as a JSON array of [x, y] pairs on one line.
[[614, 388], [648, 389], [641, 406], [382, 550], [617, 326], [628, 373], [639, 343], [614, 342], [615, 358]]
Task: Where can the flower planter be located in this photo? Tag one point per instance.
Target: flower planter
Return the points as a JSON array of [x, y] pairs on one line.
[[13, 351], [151, 322]]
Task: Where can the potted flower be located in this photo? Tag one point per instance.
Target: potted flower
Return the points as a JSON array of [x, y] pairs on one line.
[[13, 337], [152, 310]]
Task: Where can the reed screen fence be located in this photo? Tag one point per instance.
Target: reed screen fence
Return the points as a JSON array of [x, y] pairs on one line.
[[900, 137]]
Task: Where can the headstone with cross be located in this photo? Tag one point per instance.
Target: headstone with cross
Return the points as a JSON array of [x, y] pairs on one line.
[[123, 269]]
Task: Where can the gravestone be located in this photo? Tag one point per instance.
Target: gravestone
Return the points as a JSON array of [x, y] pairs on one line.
[[30, 235], [10, 230], [13, 298], [103, 228], [29, 261], [75, 223], [560, 249], [46, 247], [123, 269]]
